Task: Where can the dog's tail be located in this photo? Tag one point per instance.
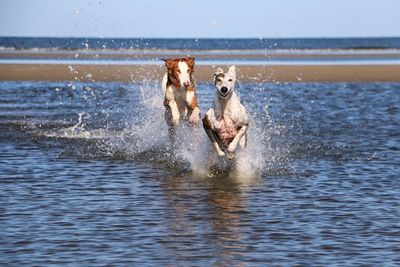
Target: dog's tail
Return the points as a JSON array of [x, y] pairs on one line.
[[164, 82]]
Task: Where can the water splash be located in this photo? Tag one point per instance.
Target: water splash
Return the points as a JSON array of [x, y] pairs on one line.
[[79, 131], [144, 138], [193, 150]]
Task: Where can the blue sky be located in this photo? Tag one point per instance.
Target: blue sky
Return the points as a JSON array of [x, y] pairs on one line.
[[204, 18]]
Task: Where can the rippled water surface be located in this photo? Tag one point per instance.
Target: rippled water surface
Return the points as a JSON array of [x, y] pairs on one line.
[[88, 178]]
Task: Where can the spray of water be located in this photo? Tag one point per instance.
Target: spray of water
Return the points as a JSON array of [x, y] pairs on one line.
[[145, 138], [193, 148]]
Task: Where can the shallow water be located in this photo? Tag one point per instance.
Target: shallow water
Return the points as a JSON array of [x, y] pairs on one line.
[[88, 178]]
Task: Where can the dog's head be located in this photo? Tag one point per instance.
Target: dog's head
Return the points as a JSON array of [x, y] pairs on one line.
[[180, 71], [225, 82]]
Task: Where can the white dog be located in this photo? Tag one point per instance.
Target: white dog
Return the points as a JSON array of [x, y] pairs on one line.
[[227, 122]]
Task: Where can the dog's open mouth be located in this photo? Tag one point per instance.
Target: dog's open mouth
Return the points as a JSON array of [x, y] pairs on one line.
[[224, 94]]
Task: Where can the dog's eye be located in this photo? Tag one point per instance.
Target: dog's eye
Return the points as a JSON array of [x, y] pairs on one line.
[[188, 71], [178, 71], [229, 80]]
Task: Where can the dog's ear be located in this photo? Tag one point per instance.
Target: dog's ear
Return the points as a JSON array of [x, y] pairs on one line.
[[190, 61], [232, 69], [168, 62], [218, 72]]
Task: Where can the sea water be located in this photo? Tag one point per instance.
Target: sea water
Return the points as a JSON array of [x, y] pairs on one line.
[[88, 177]]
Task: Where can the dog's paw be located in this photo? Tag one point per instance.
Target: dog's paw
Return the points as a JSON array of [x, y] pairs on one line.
[[232, 147], [194, 119], [230, 155], [221, 153], [175, 121]]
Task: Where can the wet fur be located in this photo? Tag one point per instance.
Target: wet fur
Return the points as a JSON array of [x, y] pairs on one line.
[[180, 94], [227, 122]]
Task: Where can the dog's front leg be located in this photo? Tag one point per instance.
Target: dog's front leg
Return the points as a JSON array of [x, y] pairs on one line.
[[233, 145], [174, 112], [195, 116], [217, 147], [192, 105], [207, 124]]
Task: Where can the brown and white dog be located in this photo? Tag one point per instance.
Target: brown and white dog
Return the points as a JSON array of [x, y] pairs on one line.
[[226, 123], [180, 93]]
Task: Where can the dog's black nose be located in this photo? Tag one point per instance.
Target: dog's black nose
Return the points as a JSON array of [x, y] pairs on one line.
[[224, 90]]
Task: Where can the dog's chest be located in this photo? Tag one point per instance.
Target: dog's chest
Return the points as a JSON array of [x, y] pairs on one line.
[[230, 115], [227, 130], [180, 96]]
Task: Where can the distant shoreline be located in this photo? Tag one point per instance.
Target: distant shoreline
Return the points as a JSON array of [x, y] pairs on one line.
[[252, 66], [154, 54]]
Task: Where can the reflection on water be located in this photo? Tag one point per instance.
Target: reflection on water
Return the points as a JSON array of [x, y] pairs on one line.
[[223, 212], [228, 208], [88, 178]]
